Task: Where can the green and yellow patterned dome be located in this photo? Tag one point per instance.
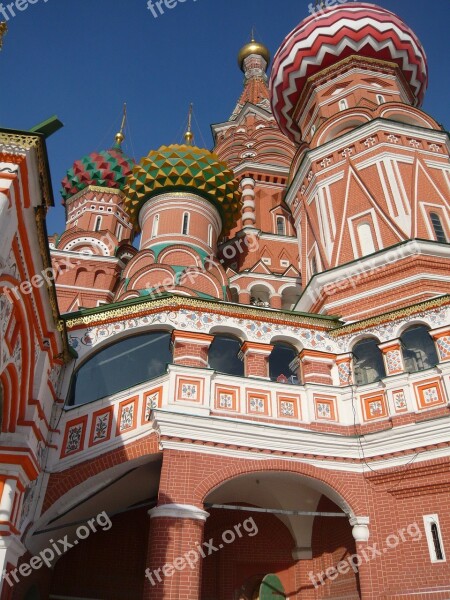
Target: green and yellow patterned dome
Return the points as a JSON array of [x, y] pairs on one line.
[[184, 168]]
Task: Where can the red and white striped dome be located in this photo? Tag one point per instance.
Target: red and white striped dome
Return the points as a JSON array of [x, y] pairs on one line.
[[335, 33]]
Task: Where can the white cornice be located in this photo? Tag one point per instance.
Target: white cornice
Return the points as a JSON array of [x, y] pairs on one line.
[[368, 265], [301, 441]]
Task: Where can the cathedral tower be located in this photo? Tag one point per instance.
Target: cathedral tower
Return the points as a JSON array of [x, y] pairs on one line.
[[370, 179]]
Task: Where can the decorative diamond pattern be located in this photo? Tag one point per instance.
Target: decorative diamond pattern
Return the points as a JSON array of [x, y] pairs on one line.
[[103, 169], [344, 373], [443, 344], [184, 168], [394, 361]]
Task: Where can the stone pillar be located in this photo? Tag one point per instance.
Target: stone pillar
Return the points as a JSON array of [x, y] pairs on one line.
[[244, 297], [191, 349], [11, 549], [316, 367], [8, 227], [442, 340], [248, 198], [6, 505], [175, 553], [344, 364], [361, 534], [276, 301], [393, 357], [256, 359]]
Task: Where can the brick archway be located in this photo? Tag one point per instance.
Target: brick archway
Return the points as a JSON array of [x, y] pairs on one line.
[[347, 489]]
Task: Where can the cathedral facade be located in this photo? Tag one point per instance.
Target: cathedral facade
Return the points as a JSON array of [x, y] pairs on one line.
[[229, 377]]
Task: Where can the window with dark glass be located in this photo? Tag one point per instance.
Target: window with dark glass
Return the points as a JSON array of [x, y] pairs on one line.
[[223, 355], [437, 541], [283, 363], [185, 229], [281, 228], [438, 228], [419, 351], [368, 362], [122, 365], [314, 265]]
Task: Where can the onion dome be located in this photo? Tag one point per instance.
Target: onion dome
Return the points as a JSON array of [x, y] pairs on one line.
[[184, 168], [108, 169], [324, 39], [253, 47]]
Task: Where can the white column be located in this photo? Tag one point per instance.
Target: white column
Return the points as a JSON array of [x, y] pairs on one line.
[[8, 228], [248, 197], [178, 511], [360, 529], [7, 501]]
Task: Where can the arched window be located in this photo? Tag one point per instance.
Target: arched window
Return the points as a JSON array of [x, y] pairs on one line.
[[434, 538], [223, 355], [234, 295], [283, 363], [260, 296], [365, 236], [98, 223], [419, 351], [119, 231], [122, 365], [380, 99], [435, 534], [281, 226], [438, 228], [155, 226], [185, 229], [368, 362], [343, 104]]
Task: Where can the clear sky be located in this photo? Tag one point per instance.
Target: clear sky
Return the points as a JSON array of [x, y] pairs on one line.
[[81, 59]]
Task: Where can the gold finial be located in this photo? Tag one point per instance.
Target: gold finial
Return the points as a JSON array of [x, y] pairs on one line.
[[253, 47], [121, 136], [189, 136], [3, 30]]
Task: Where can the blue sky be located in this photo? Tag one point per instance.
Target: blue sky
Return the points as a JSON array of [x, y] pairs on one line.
[[82, 59]]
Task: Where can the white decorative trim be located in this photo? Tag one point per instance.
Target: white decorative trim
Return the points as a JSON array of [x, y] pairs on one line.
[[360, 529], [178, 511]]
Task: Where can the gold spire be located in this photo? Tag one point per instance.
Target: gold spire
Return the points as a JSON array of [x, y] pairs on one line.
[[3, 30], [121, 136], [253, 47], [189, 136]]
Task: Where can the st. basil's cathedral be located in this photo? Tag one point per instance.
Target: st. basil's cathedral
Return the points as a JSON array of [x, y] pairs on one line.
[[257, 334]]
